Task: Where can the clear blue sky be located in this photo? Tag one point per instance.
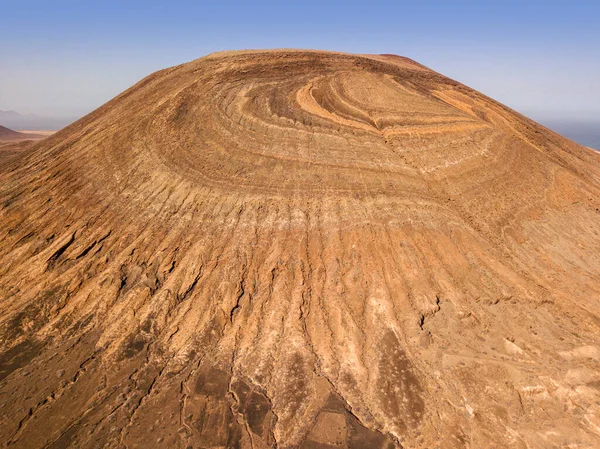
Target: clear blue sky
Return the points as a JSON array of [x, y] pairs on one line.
[[68, 57]]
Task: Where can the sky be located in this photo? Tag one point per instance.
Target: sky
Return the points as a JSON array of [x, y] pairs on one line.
[[66, 58]]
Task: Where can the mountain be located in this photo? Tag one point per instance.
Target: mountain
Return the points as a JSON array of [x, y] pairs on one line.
[[14, 120], [13, 143], [9, 134], [306, 249]]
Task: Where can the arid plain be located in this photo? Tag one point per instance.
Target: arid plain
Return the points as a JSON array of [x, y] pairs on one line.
[[300, 249]]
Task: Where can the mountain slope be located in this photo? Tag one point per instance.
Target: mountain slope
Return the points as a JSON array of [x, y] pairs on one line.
[[7, 134], [300, 249], [13, 143]]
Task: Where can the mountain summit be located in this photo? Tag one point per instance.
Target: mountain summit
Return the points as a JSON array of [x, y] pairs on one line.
[[306, 249]]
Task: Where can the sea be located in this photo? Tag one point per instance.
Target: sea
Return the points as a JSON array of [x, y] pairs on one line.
[[584, 133]]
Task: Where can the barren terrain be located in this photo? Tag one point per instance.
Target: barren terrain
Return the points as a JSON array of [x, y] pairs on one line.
[[7, 134], [13, 143], [300, 249]]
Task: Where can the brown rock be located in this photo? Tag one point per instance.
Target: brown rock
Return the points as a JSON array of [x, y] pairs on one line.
[[300, 249]]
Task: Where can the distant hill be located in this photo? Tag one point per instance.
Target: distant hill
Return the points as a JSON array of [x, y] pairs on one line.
[[17, 121], [7, 134]]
